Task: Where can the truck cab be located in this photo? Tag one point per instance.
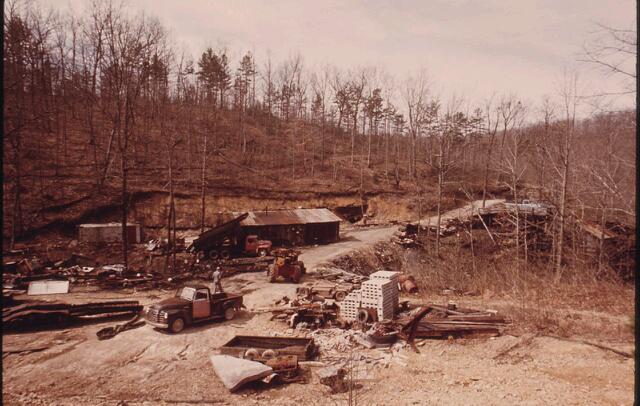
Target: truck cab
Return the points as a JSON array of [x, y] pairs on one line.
[[253, 245], [192, 304]]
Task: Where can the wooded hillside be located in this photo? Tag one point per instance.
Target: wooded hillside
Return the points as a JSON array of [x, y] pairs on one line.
[[102, 103]]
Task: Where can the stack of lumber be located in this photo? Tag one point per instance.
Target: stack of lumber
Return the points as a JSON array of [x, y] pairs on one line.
[[454, 322], [40, 314]]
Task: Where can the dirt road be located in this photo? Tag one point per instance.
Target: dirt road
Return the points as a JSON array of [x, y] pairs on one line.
[[463, 212], [260, 293]]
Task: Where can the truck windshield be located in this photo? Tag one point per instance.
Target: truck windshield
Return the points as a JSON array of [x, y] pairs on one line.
[[185, 293]]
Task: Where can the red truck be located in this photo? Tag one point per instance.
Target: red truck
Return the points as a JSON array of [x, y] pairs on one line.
[[227, 240], [192, 304]]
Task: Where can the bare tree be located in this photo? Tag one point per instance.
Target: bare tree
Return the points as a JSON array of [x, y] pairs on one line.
[[16, 37], [320, 85], [560, 155], [512, 165], [129, 46], [614, 51], [268, 90], [356, 96], [415, 96]]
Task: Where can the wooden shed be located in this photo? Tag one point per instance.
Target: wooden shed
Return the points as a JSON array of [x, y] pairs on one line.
[[293, 227], [109, 232]]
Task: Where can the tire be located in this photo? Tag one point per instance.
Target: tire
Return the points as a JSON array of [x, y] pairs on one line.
[[304, 291], [214, 254], [268, 354], [363, 316], [251, 354], [272, 273], [262, 253], [340, 295], [297, 274], [177, 325], [229, 313], [225, 254]]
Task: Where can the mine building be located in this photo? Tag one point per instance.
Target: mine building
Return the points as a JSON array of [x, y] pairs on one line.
[[293, 227]]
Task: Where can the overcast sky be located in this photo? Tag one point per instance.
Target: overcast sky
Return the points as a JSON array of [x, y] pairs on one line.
[[471, 48]]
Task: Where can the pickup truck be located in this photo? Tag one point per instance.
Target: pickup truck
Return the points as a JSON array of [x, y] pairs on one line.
[[192, 304]]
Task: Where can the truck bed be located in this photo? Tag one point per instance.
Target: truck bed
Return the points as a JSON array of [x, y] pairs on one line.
[[302, 347], [213, 237]]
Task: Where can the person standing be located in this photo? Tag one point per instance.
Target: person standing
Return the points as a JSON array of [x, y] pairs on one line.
[[217, 284]]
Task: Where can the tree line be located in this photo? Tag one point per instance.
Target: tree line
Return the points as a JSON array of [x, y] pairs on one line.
[[110, 87]]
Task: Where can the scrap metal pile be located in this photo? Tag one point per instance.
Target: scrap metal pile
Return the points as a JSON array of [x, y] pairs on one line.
[[366, 310], [81, 270], [300, 313], [334, 342], [77, 269]]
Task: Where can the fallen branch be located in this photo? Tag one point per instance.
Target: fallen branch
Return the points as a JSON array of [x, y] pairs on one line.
[[591, 343], [486, 228], [7, 351]]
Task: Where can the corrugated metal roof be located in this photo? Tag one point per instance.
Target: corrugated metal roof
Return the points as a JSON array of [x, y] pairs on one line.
[[104, 225], [289, 217], [48, 287]]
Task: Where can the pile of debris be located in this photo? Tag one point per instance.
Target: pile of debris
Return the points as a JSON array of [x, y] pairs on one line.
[[234, 265], [318, 292], [450, 321], [79, 269], [38, 314], [383, 255], [406, 236], [301, 313], [339, 275]]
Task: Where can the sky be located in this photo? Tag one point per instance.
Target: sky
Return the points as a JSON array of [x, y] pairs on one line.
[[469, 48]]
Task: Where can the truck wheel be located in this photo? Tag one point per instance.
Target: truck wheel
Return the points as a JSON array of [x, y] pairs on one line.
[[214, 254], [297, 274], [268, 354], [272, 273], [262, 253], [251, 353], [225, 254], [177, 325], [340, 295], [229, 313]]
